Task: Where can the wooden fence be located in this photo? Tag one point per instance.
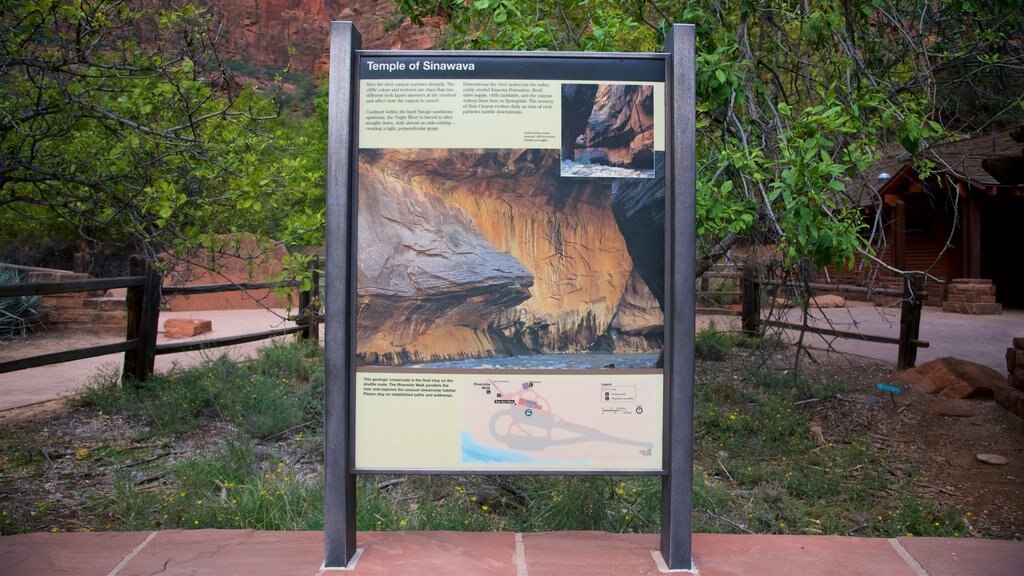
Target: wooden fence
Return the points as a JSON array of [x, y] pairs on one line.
[[144, 291], [912, 297], [727, 279]]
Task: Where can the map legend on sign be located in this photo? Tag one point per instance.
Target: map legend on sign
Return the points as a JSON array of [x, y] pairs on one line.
[[618, 393]]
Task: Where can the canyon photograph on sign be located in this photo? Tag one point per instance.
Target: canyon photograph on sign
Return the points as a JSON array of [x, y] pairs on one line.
[[608, 130], [474, 254]]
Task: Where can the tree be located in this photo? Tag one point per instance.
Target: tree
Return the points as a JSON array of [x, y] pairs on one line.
[[148, 144], [794, 98]]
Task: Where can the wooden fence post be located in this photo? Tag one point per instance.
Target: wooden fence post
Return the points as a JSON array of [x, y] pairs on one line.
[[910, 319], [750, 294], [309, 304], [143, 304]]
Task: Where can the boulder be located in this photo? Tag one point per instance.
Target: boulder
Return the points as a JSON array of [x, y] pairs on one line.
[[175, 328], [828, 301], [953, 377]]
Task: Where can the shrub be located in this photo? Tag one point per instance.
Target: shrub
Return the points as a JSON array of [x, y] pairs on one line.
[[18, 314], [710, 344]]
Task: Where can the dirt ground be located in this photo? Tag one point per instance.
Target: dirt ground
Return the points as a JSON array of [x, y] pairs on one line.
[[912, 425], [943, 449]]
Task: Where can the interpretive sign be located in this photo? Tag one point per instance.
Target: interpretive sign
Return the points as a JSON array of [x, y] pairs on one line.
[[510, 270], [492, 194]]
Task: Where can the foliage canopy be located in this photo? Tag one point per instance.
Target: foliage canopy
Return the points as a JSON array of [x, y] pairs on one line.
[[794, 98], [149, 144]]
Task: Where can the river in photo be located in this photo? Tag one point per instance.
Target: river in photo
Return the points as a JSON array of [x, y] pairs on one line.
[[549, 362]]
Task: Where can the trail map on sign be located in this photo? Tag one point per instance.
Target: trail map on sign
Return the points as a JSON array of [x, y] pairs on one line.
[[535, 420]]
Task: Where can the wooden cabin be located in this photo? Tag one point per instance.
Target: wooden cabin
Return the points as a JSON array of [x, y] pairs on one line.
[[958, 217]]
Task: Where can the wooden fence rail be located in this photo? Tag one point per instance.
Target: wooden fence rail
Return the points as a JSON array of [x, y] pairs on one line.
[[45, 288], [912, 299], [142, 300]]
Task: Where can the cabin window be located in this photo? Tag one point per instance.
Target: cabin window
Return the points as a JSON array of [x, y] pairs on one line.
[[918, 225]]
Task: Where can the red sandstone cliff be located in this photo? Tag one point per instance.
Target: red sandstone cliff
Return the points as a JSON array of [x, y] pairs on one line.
[[261, 32]]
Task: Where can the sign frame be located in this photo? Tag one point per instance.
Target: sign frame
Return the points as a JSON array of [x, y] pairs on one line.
[[679, 312]]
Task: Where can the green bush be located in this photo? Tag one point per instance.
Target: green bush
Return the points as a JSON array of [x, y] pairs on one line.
[[710, 344], [18, 314], [264, 397]]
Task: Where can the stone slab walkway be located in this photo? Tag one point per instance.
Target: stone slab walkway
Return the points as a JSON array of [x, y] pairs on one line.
[[249, 553]]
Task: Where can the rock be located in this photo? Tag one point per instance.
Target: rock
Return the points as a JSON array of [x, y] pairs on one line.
[[577, 104], [953, 377], [995, 459], [639, 208], [1018, 342], [175, 328], [429, 283], [953, 408], [829, 301], [263, 33], [241, 258], [620, 127]]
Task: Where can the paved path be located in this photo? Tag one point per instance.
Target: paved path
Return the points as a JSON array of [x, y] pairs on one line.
[[45, 383], [248, 553], [981, 339]]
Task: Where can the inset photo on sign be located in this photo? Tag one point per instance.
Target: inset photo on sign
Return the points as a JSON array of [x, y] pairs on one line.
[[607, 131]]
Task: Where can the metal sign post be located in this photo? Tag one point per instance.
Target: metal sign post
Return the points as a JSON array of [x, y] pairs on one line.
[[339, 479], [680, 310]]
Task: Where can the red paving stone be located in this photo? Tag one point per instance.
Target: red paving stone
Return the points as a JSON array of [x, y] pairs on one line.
[[249, 553], [228, 553], [772, 555], [947, 557], [65, 554], [434, 554], [591, 553]]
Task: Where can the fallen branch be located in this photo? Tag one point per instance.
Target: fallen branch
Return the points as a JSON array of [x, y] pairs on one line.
[[389, 483], [152, 478], [943, 490], [152, 458], [740, 527]]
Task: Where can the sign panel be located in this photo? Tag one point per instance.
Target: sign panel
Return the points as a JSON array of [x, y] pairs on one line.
[[508, 313]]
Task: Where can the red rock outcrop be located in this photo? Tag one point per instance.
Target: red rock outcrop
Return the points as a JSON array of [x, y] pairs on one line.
[[952, 377], [956, 378], [241, 259], [262, 32]]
